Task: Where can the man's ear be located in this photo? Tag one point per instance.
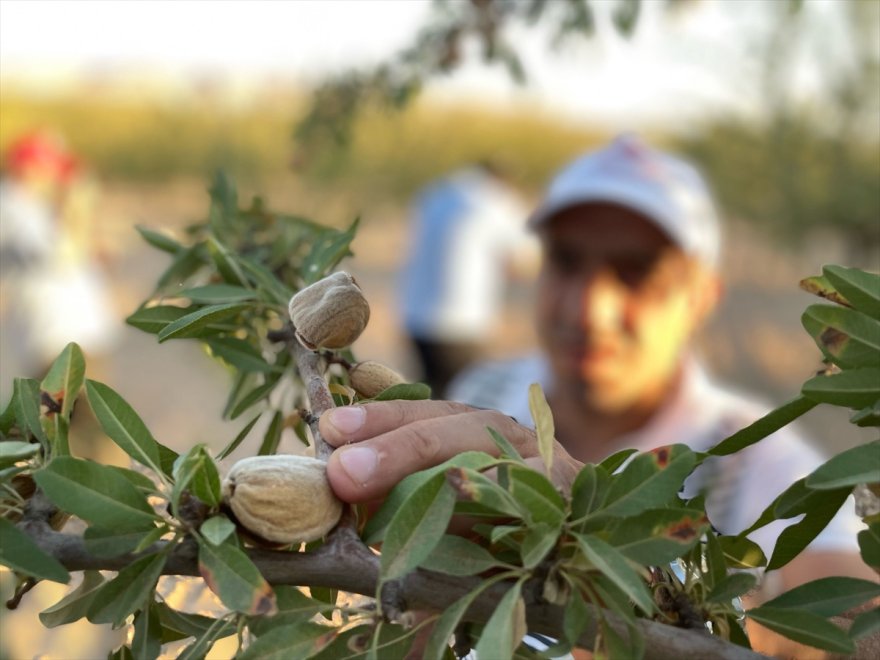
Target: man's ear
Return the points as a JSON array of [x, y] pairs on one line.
[[707, 291]]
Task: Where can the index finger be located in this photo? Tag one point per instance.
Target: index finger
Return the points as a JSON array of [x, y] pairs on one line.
[[368, 469]]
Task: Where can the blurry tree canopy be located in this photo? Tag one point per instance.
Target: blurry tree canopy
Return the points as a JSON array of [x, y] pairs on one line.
[[805, 164]]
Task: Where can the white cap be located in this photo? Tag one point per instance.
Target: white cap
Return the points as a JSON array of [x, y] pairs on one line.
[[663, 188]]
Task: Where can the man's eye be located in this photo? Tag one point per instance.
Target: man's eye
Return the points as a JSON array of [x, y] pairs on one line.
[[633, 272]]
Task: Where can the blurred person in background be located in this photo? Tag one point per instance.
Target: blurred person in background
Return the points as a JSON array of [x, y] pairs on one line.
[[630, 237], [52, 290], [468, 236]]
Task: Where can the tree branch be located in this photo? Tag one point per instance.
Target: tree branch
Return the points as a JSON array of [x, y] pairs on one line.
[[345, 563]]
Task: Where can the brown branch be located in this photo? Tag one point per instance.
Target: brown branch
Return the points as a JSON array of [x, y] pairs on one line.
[[345, 563]]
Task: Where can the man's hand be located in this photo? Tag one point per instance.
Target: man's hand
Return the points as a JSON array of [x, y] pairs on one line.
[[380, 443]]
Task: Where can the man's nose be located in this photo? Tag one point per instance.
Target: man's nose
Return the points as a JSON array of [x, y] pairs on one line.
[[600, 299]]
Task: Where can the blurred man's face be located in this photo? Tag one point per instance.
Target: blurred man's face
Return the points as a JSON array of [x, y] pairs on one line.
[[617, 304]]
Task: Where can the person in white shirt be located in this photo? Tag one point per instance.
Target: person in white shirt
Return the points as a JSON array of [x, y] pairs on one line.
[[630, 238], [468, 233]]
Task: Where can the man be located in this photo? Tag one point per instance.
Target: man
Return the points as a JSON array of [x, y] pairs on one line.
[[468, 234], [630, 239]]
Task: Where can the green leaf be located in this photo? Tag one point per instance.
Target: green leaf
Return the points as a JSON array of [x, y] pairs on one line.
[[74, 605], [184, 265], [128, 591], [741, 552], [437, 644], [7, 418], [651, 477], [12, 451], [865, 624], [214, 294], [472, 486], [157, 318], [869, 545], [191, 625], [845, 336], [255, 395], [197, 473], [231, 575], [827, 596], [65, 378], [589, 490], [273, 435], [761, 428], [404, 391], [239, 354], [544, 429], [376, 526], [657, 536], [732, 586], [195, 323], [328, 249], [293, 608], [455, 555], [506, 627], [804, 627], [232, 446], [199, 649], [417, 527], [859, 465], [819, 285], [96, 493], [112, 542], [618, 458], [27, 397], [226, 262], [536, 496], [120, 421], [537, 543], [867, 416], [299, 640], [277, 292], [798, 536], [159, 240], [861, 289], [217, 529], [854, 388], [146, 642], [507, 450], [20, 553], [612, 563]]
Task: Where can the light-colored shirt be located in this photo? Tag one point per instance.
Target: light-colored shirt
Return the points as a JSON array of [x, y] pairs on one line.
[[464, 230], [738, 487]]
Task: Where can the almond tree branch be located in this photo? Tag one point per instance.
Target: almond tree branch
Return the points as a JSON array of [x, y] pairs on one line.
[[345, 563]]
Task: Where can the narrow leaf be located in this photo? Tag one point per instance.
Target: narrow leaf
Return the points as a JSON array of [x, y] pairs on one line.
[[194, 324], [74, 605], [455, 555], [611, 563], [20, 553], [798, 536], [859, 465], [543, 419], [869, 545], [231, 575], [65, 378], [128, 591], [95, 493], [404, 391], [417, 527], [804, 627], [159, 240], [298, 640], [505, 628], [232, 446], [766, 425], [845, 336], [827, 596], [651, 477], [861, 289], [120, 421], [853, 388], [214, 294]]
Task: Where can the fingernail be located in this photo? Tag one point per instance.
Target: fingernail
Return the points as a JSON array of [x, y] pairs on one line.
[[347, 419], [359, 463]]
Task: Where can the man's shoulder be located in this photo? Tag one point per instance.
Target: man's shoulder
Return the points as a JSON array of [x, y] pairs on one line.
[[498, 384]]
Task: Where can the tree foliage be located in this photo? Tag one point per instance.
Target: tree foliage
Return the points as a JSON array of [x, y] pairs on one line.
[[620, 563]]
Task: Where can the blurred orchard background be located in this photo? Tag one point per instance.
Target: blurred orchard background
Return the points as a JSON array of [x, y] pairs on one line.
[[778, 100]]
